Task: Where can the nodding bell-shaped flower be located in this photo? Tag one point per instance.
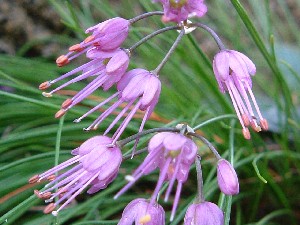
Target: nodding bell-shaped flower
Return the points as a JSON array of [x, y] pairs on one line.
[[233, 72], [106, 68], [227, 178], [138, 89], [94, 165], [180, 10], [205, 213], [173, 154], [142, 212], [107, 36]]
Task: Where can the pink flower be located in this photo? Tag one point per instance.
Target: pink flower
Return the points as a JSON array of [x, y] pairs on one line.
[[95, 165], [233, 72], [227, 178], [180, 10], [139, 89], [107, 68], [205, 213], [140, 211], [106, 36], [173, 154]]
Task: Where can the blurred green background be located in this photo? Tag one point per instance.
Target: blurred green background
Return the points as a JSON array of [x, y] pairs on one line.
[[266, 31]]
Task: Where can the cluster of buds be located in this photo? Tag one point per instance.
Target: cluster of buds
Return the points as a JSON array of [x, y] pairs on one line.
[[96, 162]]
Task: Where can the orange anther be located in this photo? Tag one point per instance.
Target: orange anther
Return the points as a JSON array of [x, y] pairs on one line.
[[66, 103], [89, 39], [246, 133], [46, 195], [49, 208], [62, 60], [76, 48], [44, 85], [264, 124], [33, 179], [255, 127], [51, 177], [246, 120], [60, 113]]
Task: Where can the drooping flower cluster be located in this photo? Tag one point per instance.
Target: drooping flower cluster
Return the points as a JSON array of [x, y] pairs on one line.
[[233, 71], [139, 89], [173, 154], [95, 165]]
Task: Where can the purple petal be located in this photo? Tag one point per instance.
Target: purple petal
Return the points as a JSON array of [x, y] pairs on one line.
[[174, 141], [93, 143], [221, 68]]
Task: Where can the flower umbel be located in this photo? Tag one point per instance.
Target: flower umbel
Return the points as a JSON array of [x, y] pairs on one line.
[[232, 70], [173, 154], [95, 165], [142, 212], [180, 10], [137, 86], [205, 213]]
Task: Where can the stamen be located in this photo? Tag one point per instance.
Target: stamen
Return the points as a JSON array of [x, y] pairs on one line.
[[33, 179], [145, 219], [89, 39], [264, 124], [76, 48], [62, 60], [246, 133], [44, 85], [66, 103], [51, 177], [46, 195], [49, 208], [246, 120], [254, 126], [60, 113]]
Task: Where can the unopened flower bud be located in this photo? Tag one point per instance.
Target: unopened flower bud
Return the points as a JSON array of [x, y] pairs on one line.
[[227, 178]]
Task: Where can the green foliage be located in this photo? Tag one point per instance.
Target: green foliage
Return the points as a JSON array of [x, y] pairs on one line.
[[190, 95]]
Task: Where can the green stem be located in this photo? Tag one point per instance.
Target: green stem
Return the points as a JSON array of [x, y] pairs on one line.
[[231, 159], [226, 116], [57, 151]]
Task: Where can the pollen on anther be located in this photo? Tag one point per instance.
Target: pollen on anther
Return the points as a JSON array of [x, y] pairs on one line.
[[44, 85], [264, 124], [245, 120], [89, 39], [51, 177], [46, 195], [66, 103], [246, 133], [255, 127], [62, 60], [76, 48], [60, 113], [49, 208], [33, 179]]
